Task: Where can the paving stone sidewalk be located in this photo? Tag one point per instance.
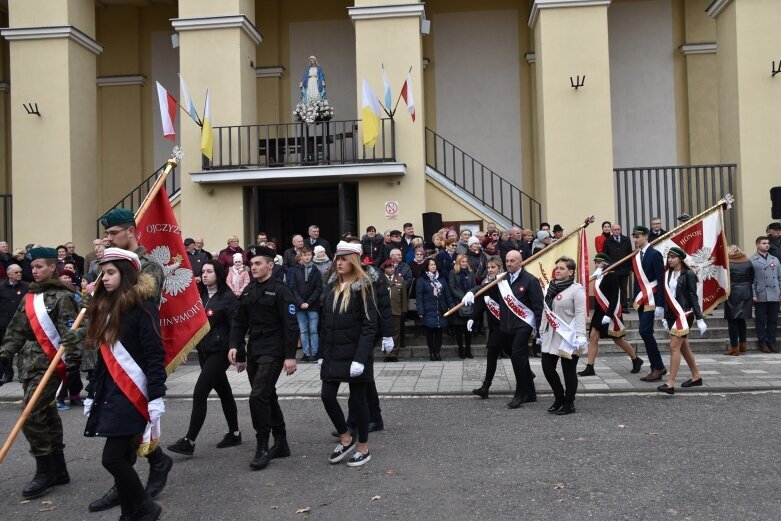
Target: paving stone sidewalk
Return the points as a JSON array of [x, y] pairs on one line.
[[748, 372]]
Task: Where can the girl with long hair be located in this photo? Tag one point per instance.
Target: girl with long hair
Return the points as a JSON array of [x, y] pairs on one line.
[[124, 326], [221, 305], [348, 324]]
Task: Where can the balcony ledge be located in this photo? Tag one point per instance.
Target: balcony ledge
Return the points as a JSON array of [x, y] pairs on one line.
[[299, 173]]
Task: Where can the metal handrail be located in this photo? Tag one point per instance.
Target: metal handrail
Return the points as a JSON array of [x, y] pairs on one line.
[[132, 201], [334, 142], [490, 188]]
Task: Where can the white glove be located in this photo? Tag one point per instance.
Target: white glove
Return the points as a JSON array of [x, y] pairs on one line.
[[88, 406], [580, 341], [701, 326], [598, 273], [319, 363], [659, 313], [469, 324], [538, 341], [666, 327], [356, 369], [387, 344], [468, 299], [605, 320], [156, 409]]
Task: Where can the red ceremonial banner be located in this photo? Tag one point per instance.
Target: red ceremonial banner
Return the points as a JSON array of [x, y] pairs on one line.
[[183, 320]]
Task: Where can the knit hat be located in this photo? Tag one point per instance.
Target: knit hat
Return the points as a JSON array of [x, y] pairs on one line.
[[387, 264], [238, 257], [320, 252], [117, 254], [66, 271], [542, 235], [472, 240]]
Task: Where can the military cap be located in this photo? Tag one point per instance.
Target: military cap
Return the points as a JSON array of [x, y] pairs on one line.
[[640, 230], [601, 257], [678, 252], [118, 216], [260, 251], [684, 217], [42, 252]]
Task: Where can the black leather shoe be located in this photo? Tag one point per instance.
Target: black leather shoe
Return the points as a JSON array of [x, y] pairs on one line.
[[109, 500], [664, 388], [160, 465], [588, 371], [637, 362], [515, 403], [556, 407], [692, 383], [567, 408], [376, 426], [482, 392]]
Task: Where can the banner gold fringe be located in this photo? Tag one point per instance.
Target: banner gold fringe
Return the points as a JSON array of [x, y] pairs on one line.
[[177, 361]]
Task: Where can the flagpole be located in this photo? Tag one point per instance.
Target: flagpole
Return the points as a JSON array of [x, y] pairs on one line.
[[501, 276], [726, 201], [199, 122], [38, 391]]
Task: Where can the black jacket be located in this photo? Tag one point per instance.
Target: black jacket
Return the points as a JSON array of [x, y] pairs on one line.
[[481, 307], [617, 251], [197, 258], [347, 337], [526, 288], [386, 324], [685, 294], [457, 292], [305, 291], [112, 413], [10, 297], [609, 286], [267, 311], [220, 310]]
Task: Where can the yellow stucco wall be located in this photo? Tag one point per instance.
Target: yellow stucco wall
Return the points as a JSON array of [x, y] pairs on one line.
[[449, 205]]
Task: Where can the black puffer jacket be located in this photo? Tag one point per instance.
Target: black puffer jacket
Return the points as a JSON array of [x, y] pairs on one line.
[[347, 337], [220, 310], [112, 413]]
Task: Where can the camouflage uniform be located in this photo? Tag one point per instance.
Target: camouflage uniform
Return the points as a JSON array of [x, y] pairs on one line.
[[43, 428], [153, 269]]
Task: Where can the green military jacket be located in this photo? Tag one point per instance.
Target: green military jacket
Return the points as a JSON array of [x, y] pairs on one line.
[[153, 269], [62, 305]]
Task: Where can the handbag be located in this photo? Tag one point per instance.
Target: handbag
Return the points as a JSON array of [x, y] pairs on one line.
[[412, 305], [465, 311]]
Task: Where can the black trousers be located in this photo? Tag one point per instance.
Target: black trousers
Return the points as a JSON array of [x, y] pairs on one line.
[[213, 367], [463, 336], [737, 331], [766, 319], [373, 402], [356, 403], [263, 403], [493, 348], [434, 339], [119, 455], [519, 356], [568, 368]]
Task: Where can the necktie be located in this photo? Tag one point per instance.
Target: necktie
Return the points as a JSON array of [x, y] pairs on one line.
[[307, 270], [642, 254], [513, 277], [618, 239]]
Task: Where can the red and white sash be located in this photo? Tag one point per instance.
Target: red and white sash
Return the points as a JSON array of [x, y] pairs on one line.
[[645, 298], [44, 330], [516, 306], [681, 325], [492, 306], [568, 347], [617, 328]]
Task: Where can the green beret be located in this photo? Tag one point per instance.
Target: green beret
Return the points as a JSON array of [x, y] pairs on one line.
[[601, 257], [640, 230], [117, 216], [678, 252], [42, 253]]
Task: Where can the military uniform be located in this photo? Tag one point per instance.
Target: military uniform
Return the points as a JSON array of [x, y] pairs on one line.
[[43, 428]]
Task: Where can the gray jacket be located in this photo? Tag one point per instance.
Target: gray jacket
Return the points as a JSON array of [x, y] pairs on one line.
[[767, 278]]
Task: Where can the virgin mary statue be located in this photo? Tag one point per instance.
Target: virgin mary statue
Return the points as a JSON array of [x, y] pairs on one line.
[[312, 83]]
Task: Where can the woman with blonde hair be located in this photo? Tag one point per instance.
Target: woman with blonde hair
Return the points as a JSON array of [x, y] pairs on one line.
[[348, 324], [461, 280], [738, 307]]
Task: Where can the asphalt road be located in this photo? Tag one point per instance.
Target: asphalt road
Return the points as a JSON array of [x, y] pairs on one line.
[[708, 457]]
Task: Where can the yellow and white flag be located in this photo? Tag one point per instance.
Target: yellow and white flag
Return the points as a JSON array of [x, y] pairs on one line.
[[207, 141], [541, 265], [370, 114]]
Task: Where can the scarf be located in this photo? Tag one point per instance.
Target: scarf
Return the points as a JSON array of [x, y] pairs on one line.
[[436, 286], [464, 279], [556, 287]]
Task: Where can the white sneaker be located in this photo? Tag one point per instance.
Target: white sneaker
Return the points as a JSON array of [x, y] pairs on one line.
[[341, 452], [358, 459]]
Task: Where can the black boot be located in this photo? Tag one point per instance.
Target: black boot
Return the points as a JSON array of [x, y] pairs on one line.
[[147, 511], [159, 466], [8, 377], [43, 479], [280, 449], [261, 459], [60, 469], [482, 392], [588, 371], [109, 500], [461, 354], [468, 350]]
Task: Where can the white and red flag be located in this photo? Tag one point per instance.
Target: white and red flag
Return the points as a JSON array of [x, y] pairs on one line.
[[406, 94], [167, 111], [183, 320], [705, 245]]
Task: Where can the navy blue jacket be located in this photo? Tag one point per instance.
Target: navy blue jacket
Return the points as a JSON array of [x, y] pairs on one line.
[[305, 290], [432, 308]]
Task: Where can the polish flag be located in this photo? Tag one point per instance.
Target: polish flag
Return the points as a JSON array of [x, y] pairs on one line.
[[167, 112], [406, 94]]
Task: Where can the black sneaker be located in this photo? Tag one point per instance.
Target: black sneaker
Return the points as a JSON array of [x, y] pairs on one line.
[[341, 452], [229, 440], [358, 459], [183, 446]]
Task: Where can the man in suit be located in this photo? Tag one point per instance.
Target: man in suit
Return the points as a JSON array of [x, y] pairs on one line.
[[406, 239], [80, 267], [315, 240], [656, 229], [12, 291], [616, 247], [652, 267], [515, 332]]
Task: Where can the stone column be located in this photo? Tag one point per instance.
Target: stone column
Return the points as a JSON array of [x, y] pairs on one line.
[[747, 40], [217, 50], [54, 155], [390, 34], [575, 142]]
